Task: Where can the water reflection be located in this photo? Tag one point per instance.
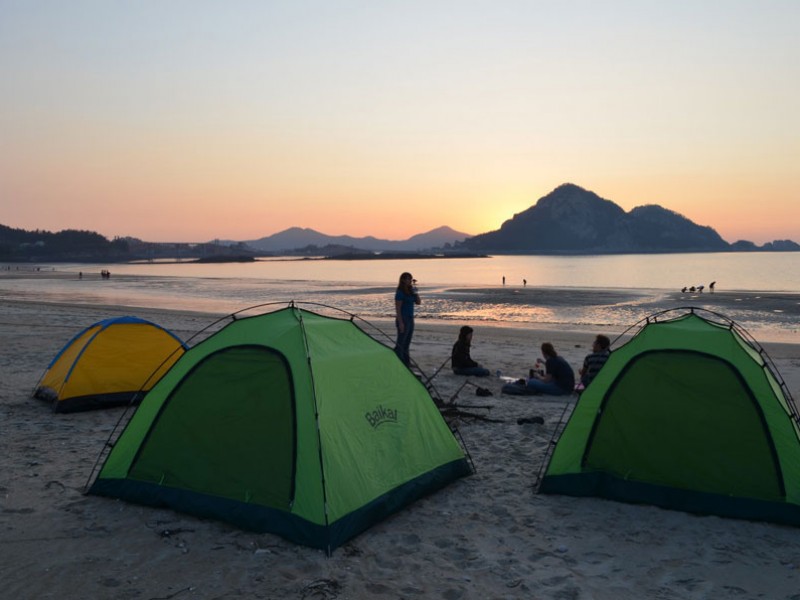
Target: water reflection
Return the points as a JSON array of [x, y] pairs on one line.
[[767, 315]]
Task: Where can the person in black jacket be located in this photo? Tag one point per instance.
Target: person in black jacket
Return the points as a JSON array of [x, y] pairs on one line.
[[461, 361]]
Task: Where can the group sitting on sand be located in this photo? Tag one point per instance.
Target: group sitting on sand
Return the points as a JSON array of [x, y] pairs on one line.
[[552, 374]]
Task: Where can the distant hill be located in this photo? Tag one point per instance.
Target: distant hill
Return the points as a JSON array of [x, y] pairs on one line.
[[572, 220], [66, 245], [781, 246], [70, 245], [296, 238], [568, 220]]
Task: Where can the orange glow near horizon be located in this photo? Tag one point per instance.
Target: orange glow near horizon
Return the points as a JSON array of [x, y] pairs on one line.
[[268, 118], [206, 218]]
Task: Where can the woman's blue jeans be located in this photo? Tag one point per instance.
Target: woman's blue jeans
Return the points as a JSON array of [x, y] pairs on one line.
[[403, 346]]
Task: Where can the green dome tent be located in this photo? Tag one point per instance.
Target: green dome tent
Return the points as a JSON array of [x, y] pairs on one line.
[[110, 363], [288, 422], [689, 414]]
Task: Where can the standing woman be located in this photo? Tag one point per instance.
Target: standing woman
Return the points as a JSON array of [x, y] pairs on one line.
[[405, 298]]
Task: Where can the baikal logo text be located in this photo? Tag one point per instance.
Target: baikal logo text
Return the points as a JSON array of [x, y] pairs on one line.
[[381, 415]]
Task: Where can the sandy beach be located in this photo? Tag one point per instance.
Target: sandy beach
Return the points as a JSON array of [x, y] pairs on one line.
[[486, 536]]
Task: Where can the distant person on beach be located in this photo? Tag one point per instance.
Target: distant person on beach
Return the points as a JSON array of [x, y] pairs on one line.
[[700, 288], [558, 378], [524, 282], [460, 359], [711, 286], [595, 360], [405, 298], [504, 279]]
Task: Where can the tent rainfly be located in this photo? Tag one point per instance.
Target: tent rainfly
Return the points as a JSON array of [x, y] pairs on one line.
[[110, 363], [689, 414], [288, 422]]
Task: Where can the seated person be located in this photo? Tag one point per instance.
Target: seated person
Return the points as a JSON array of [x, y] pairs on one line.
[[460, 360], [558, 378], [594, 361]]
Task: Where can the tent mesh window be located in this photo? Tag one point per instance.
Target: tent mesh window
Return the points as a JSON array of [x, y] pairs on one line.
[[706, 400], [244, 452]]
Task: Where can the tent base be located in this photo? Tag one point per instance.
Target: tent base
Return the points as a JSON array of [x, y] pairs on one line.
[[608, 486], [263, 519], [82, 403]]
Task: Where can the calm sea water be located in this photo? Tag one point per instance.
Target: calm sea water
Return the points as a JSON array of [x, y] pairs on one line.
[[759, 290]]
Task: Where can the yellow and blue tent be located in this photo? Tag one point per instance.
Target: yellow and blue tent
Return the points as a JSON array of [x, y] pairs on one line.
[[110, 363]]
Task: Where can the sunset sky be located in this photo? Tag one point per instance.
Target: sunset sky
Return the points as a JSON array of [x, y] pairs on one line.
[[193, 120]]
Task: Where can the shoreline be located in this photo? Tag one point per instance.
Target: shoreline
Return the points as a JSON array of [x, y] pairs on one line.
[[42, 272], [574, 339], [770, 317]]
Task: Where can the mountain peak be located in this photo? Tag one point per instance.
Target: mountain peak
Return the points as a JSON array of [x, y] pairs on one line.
[[572, 220], [296, 238], [567, 188]]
